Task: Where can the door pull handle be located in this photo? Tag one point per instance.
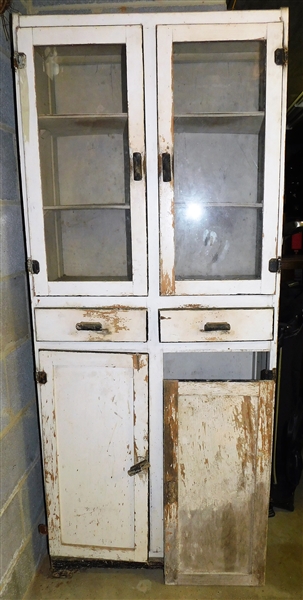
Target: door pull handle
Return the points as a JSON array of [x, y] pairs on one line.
[[216, 327], [137, 165], [88, 326], [166, 167]]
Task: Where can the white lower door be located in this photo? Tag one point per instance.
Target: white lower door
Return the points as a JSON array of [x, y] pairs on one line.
[[94, 429]]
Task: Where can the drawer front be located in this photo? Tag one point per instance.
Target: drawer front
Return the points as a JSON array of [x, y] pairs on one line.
[[221, 325], [90, 325]]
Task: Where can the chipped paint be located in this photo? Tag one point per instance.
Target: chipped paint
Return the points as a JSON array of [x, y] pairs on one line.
[[222, 495]]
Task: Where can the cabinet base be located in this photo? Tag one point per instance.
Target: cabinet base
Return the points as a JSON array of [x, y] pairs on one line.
[[62, 567]]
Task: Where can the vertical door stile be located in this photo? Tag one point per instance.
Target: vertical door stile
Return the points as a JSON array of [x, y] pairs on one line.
[[171, 480], [135, 90], [272, 152], [140, 412], [263, 470], [165, 133], [29, 142]]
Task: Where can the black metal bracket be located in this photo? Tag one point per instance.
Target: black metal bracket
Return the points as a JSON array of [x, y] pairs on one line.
[[269, 375], [41, 377], [33, 266], [274, 265], [281, 57]]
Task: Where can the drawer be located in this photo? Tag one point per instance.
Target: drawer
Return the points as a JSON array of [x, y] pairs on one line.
[[220, 325], [90, 325]]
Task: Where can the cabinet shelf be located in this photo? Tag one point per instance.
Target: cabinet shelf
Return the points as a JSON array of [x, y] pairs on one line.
[[65, 125], [219, 123], [223, 204], [88, 207]]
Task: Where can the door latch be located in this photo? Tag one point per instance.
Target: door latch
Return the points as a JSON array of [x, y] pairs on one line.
[[143, 465]]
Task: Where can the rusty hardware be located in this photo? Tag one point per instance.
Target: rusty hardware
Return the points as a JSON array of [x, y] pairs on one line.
[[88, 326], [43, 529], [166, 167], [137, 163], [143, 465], [33, 266], [274, 265], [216, 327], [281, 57], [41, 377], [19, 60]]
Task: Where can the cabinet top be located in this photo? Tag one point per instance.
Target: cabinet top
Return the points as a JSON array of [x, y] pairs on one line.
[[192, 16]]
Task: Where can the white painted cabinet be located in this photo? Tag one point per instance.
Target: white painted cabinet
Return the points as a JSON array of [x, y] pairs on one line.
[[151, 149]]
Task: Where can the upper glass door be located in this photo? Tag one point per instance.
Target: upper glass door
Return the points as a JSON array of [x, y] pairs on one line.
[[90, 201], [219, 191]]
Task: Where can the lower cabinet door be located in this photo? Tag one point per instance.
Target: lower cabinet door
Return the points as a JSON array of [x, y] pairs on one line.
[[217, 472], [94, 430]]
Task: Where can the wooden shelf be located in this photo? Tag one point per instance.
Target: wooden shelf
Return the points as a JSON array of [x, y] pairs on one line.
[[65, 125], [233, 123]]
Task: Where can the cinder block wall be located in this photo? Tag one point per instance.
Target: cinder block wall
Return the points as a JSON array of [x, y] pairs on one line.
[[21, 492]]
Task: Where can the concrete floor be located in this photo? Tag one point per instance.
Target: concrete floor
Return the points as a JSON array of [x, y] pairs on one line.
[[284, 574]]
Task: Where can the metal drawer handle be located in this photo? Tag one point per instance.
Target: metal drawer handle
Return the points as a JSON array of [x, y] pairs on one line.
[[216, 327], [137, 164], [166, 166], [88, 326]]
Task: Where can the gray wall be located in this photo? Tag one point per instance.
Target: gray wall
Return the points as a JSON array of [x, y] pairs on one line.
[[21, 495]]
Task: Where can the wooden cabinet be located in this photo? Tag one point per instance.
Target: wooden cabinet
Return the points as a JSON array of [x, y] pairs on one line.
[[151, 149]]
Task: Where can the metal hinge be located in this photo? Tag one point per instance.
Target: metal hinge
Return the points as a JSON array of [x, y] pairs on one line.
[[274, 265], [281, 56], [19, 60], [270, 375], [41, 377], [43, 529], [33, 266], [139, 467]]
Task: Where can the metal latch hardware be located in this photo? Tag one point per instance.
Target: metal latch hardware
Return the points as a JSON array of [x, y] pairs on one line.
[[41, 377], [281, 57], [33, 266], [19, 60], [143, 465], [274, 265]]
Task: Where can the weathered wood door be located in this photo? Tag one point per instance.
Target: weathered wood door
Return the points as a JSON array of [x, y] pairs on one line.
[[217, 473], [94, 428]]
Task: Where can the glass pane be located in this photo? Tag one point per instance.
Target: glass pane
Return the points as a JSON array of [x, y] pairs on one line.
[[219, 77], [218, 92], [217, 243], [84, 160], [84, 79], [88, 244]]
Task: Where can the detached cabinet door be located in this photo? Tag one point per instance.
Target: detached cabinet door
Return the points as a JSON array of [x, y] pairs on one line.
[[219, 111], [82, 130], [217, 475], [94, 429]]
